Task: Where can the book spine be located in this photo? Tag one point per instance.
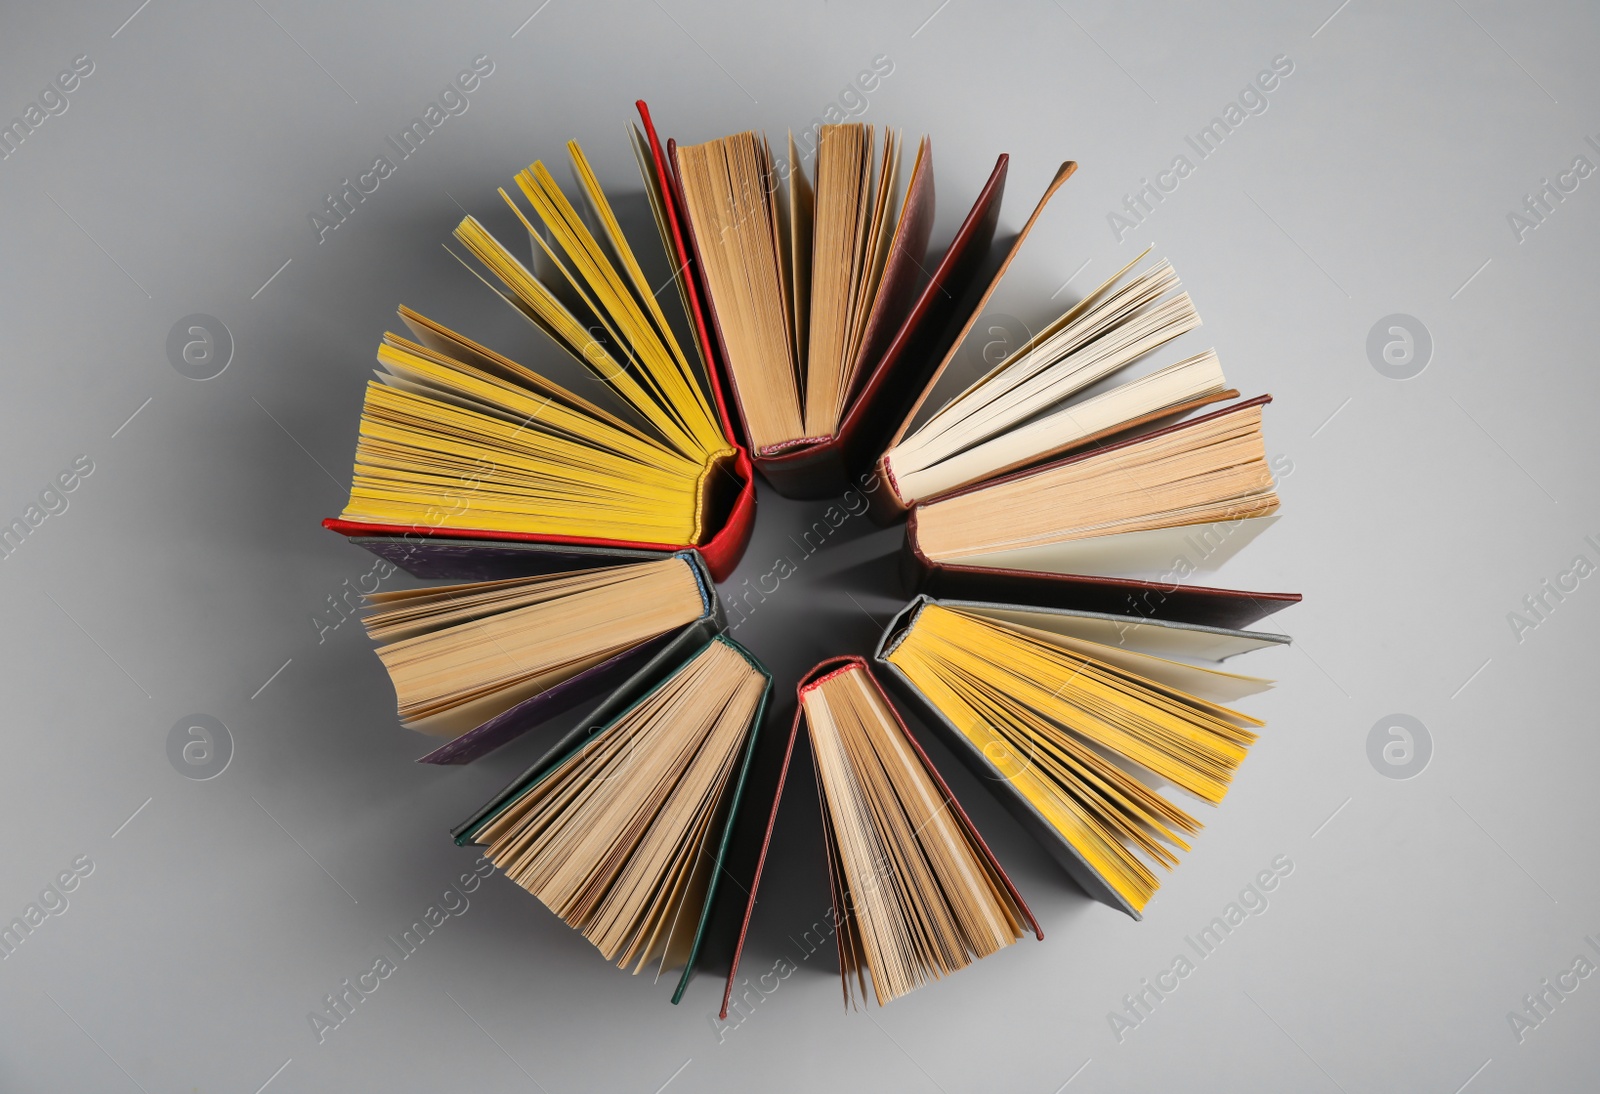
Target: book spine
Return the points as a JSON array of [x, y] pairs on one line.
[[1015, 802], [760, 865], [806, 468], [710, 604], [955, 806], [916, 571], [724, 549], [898, 625], [885, 506], [726, 838]]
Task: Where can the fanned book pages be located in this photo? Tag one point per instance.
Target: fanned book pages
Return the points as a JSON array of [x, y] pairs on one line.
[[1033, 470], [1127, 506], [819, 302], [1018, 413], [794, 342], [1002, 396], [916, 892], [622, 833], [1078, 719], [462, 449], [482, 663], [1119, 527]]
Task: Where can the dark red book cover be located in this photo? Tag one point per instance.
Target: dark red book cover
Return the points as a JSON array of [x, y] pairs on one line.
[[811, 679], [814, 467], [730, 507], [1234, 608]]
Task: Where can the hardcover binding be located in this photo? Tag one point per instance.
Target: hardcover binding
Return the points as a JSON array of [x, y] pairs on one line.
[[817, 467], [1231, 608], [815, 676], [1113, 595], [688, 265], [1010, 797], [630, 694], [887, 505], [425, 551], [1014, 800], [814, 467], [488, 560], [508, 725], [474, 555]]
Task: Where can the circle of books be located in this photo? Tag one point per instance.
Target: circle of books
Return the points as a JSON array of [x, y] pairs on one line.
[[583, 546]]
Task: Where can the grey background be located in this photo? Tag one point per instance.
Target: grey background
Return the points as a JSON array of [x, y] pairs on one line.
[[184, 576]]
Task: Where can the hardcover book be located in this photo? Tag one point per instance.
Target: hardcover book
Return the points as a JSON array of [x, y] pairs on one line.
[[623, 828], [917, 894], [817, 297], [1076, 720], [463, 451], [1118, 528], [483, 663], [1026, 470]]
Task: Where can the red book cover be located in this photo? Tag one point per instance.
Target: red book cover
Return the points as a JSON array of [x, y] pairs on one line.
[[818, 467], [729, 508], [811, 679], [1234, 608], [813, 467]]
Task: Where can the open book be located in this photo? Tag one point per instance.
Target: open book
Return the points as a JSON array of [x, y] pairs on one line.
[[623, 827], [1019, 409], [1018, 414], [482, 663], [463, 450], [1118, 509], [916, 892], [813, 289], [1032, 470], [1077, 719]]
